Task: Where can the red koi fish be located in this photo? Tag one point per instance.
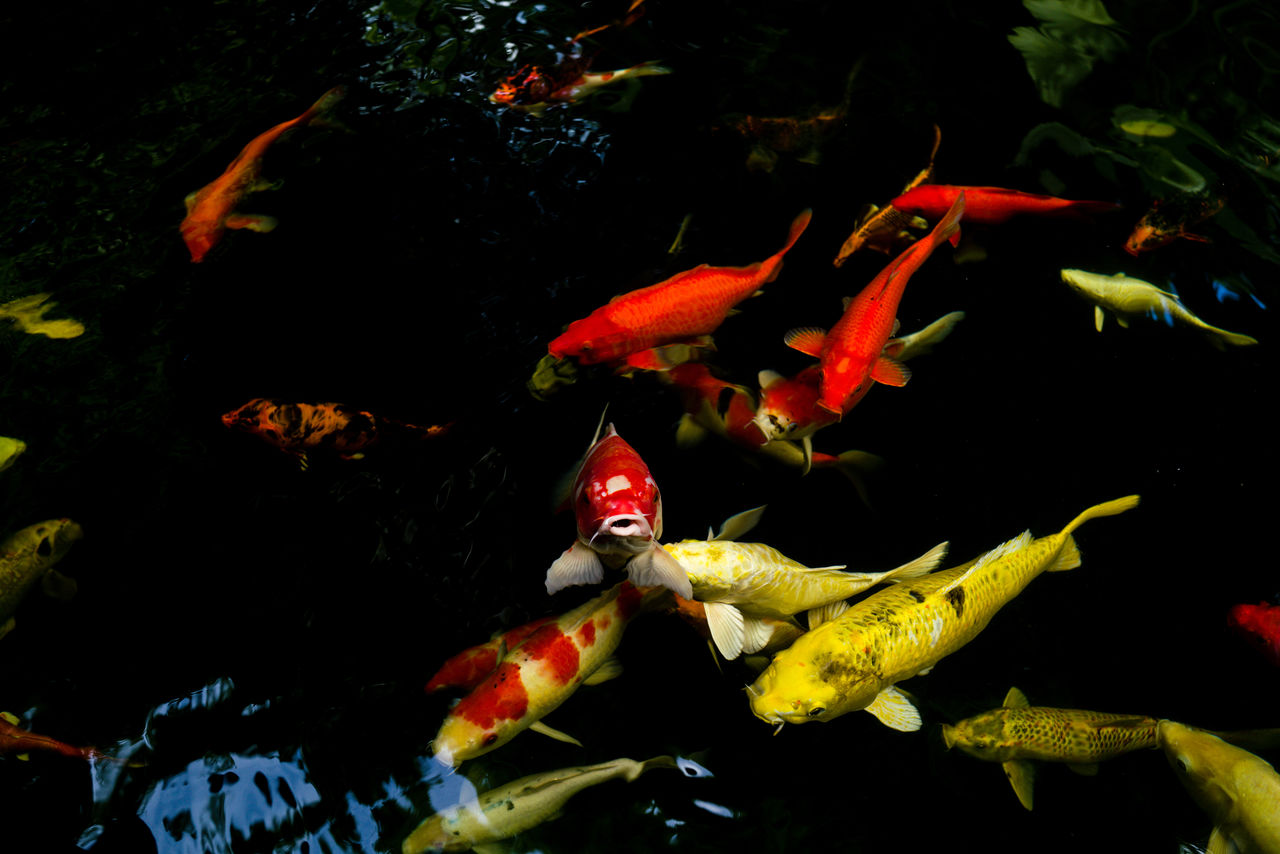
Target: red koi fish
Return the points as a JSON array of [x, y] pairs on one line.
[[540, 673], [1166, 222], [15, 739], [297, 428], [619, 515], [856, 351], [211, 209], [1261, 625], [991, 205], [468, 668], [683, 309]]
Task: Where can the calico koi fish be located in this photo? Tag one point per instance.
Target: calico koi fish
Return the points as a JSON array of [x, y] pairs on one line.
[[854, 661], [468, 668], [1127, 297], [540, 673], [991, 205], [618, 510], [1018, 733], [1168, 220], [211, 209], [1237, 789], [298, 428], [507, 810], [856, 352], [28, 556], [1260, 624], [682, 310], [10, 450], [16, 740]]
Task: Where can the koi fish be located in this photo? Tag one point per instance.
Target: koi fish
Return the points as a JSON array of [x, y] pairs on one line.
[[1261, 625], [738, 583], [1237, 789], [683, 309], [618, 510], [854, 661], [211, 209], [991, 205], [28, 315], [856, 351], [16, 740], [10, 450], [503, 812], [534, 88], [540, 673], [1126, 297], [468, 668], [28, 556], [1167, 221], [297, 428], [1018, 733]]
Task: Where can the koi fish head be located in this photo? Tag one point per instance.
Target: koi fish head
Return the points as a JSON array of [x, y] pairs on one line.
[[592, 340], [615, 499], [200, 236], [460, 739], [790, 691], [265, 418], [789, 405], [1146, 237], [982, 736], [44, 543]]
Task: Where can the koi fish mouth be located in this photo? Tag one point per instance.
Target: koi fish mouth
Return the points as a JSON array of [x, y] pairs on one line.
[[625, 525], [772, 426]]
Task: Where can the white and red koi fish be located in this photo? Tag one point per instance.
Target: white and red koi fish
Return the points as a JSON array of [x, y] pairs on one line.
[[211, 209], [855, 352], [619, 515], [540, 673]]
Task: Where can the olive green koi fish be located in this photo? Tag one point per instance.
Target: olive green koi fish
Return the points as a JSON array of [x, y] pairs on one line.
[[10, 450], [28, 556], [854, 661]]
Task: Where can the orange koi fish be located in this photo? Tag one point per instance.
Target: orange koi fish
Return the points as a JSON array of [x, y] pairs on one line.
[[541, 672], [618, 510], [468, 668], [16, 740], [856, 351], [634, 327], [211, 209], [991, 205], [297, 428], [1260, 624], [1167, 221]]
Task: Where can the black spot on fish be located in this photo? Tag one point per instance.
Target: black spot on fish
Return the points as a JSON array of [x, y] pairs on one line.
[[510, 805], [916, 595], [956, 597]]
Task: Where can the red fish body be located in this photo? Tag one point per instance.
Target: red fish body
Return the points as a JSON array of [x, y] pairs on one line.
[[853, 353], [681, 309], [1166, 222], [297, 428], [990, 205], [539, 674], [1260, 624], [16, 740], [211, 209], [468, 668], [618, 510]]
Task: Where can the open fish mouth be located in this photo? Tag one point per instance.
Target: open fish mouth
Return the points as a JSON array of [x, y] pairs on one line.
[[626, 525]]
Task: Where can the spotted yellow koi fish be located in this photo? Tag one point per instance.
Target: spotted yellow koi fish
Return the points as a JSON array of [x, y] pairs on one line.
[[1018, 732], [855, 661]]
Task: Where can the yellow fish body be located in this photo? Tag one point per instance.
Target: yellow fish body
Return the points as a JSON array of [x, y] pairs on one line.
[[28, 556], [518, 806], [1017, 733], [854, 661], [10, 450], [1239, 791], [1126, 297], [28, 314], [740, 583]]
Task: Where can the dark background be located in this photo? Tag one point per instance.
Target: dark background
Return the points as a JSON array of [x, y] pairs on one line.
[[259, 636]]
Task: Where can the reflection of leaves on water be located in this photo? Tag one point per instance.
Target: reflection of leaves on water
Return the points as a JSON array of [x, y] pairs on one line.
[[1073, 34]]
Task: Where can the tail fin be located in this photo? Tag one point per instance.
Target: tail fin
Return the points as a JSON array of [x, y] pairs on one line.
[[1107, 508], [948, 228], [648, 765], [319, 113], [773, 265]]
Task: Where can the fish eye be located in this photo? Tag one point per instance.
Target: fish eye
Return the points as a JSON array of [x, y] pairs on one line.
[[816, 710], [490, 739], [1182, 765]]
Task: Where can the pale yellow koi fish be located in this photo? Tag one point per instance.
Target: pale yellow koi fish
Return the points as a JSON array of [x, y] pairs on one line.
[[28, 556]]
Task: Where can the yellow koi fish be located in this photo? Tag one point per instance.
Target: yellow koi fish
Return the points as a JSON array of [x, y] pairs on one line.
[[1017, 733], [28, 314], [1127, 297], [518, 806], [28, 556], [1239, 791], [10, 450], [854, 661]]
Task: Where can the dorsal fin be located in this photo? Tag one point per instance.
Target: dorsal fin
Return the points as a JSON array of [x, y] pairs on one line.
[[1015, 699]]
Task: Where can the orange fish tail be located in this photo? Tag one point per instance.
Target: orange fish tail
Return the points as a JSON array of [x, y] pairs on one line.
[[318, 113], [774, 265]]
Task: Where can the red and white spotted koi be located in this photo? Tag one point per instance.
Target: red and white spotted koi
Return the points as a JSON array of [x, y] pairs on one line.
[[619, 515], [540, 673], [468, 668]]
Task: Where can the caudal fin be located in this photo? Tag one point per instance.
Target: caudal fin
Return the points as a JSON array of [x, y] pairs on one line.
[[774, 265], [1107, 508], [320, 113]]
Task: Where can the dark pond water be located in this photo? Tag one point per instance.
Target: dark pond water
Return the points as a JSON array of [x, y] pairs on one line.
[[254, 638]]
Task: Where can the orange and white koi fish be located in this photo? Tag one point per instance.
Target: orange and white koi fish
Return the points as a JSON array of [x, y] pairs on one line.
[[684, 309], [297, 428], [855, 353], [211, 210], [468, 668], [540, 673], [1167, 221], [991, 205], [16, 740], [618, 510]]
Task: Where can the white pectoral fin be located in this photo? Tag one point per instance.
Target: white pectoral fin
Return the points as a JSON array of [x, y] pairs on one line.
[[1220, 842], [756, 634], [892, 708], [657, 568], [825, 613], [1022, 775], [578, 565], [610, 668], [726, 625], [539, 726]]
